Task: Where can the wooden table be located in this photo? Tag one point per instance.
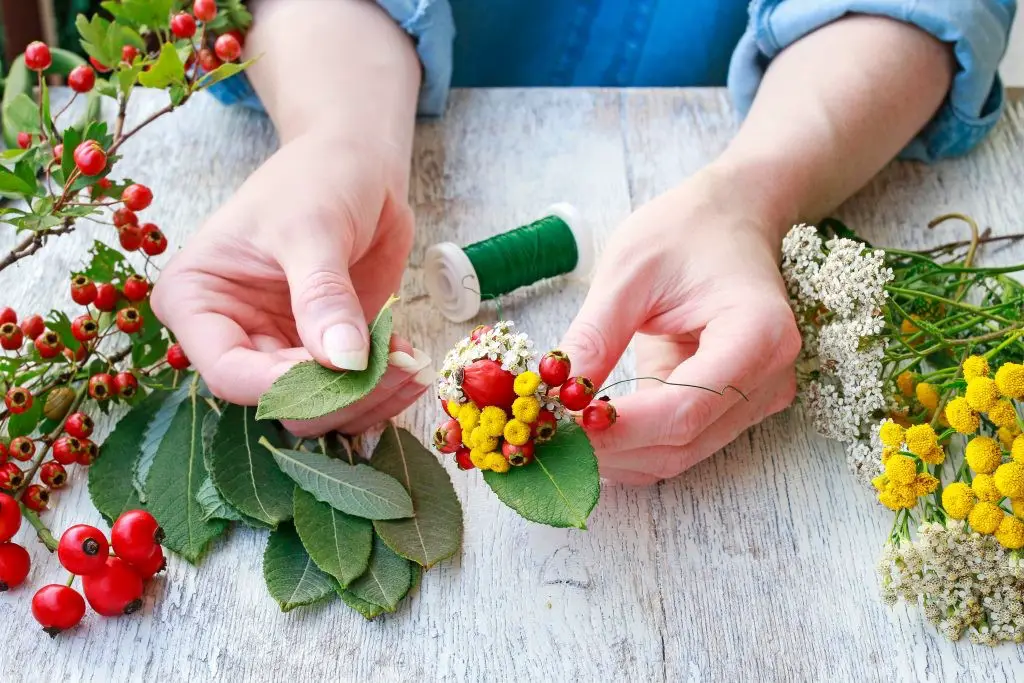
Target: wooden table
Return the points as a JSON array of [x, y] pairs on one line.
[[756, 565]]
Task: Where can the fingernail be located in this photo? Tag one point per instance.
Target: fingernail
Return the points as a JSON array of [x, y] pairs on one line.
[[403, 361], [346, 347], [425, 377], [422, 359]]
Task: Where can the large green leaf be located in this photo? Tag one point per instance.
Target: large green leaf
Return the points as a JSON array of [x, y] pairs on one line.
[[292, 577], [151, 439], [387, 579], [222, 72], [339, 543], [214, 507], [367, 609], [175, 477], [168, 69], [358, 490], [435, 532], [561, 486], [110, 477], [245, 473], [309, 390], [12, 183], [22, 113]]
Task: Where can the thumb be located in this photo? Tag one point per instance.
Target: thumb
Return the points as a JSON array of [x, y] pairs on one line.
[[328, 315]]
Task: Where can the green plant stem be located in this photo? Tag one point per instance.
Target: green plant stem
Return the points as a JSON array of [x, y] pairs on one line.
[[71, 580], [42, 531], [918, 294]]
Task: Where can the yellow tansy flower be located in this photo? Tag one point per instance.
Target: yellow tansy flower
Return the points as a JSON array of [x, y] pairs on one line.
[[928, 395], [496, 462], [958, 500], [479, 458], [1017, 505], [517, 432], [1007, 437], [1010, 533], [481, 438], [1002, 414], [888, 452], [983, 454], [469, 416], [961, 417], [880, 482], [920, 439], [1010, 479], [908, 327], [901, 470], [905, 383], [526, 383], [493, 420], [1010, 380], [1017, 449], [984, 487], [935, 456], [975, 366], [891, 434], [981, 394], [526, 409], [453, 408], [925, 484], [985, 518]]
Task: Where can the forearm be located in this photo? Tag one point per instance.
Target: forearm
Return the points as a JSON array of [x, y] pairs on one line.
[[832, 110], [341, 67]]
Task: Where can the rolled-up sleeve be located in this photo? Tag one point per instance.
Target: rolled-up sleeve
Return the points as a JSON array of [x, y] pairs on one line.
[[978, 30], [430, 24]]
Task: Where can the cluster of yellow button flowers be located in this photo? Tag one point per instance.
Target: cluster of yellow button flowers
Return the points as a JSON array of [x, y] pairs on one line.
[[988, 489]]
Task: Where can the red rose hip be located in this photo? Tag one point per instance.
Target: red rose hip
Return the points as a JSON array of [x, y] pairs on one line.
[[554, 368], [84, 328], [448, 437], [88, 454], [83, 550], [129, 53], [102, 68], [37, 56], [11, 337], [130, 237], [36, 498], [79, 425], [599, 416], [205, 10], [101, 386], [57, 608], [10, 517], [82, 78], [90, 158], [545, 427], [227, 47], [53, 474], [154, 242], [129, 320], [48, 344], [14, 565], [115, 590], [577, 393], [487, 384], [183, 25], [32, 326], [65, 450], [136, 288], [106, 297], [176, 357], [137, 197], [155, 563], [126, 384], [22, 448], [135, 534], [125, 216], [18, 400], [518, 456], [24, 140], [462, 459], [83, 290]]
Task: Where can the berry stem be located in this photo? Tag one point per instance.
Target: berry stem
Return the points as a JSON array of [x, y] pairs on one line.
[[64, 109], [122, 111], [47, 442], [42, 531], [71, 580], [42, 123], [148, 120]]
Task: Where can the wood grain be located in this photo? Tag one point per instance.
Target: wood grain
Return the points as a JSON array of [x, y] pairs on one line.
[[756, 565]]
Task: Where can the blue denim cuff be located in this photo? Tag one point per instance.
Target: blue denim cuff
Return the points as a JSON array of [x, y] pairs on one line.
[[429, 22], [977, 29]]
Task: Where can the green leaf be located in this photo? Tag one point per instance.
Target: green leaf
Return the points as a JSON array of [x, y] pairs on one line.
[[175, 477], [94, 37], [214, 507], [166, 70], [72, 138], [387, 579], [309, 390], [244, 472], [153, 14], [105, 263], [155, 432], [15, 184], [22, 114], [435, 532], [231, 14], [358, 490], [367, 609], [561, 486], [127, 76], [25, 423], [339, 543], [293, 579], [222, 72], [110, 477]]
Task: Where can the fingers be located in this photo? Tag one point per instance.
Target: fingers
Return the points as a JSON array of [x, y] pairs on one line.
[[395, 405]]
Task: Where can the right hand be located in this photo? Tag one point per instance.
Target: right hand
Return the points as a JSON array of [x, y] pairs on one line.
[[292, 268]]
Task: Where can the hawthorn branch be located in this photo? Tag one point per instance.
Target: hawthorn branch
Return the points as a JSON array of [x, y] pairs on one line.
[[35, 242], [122, 111], [148, 120]]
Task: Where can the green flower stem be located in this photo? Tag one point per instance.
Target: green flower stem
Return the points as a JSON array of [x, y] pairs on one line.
[[42, 531], [71, 580], [918, 294]]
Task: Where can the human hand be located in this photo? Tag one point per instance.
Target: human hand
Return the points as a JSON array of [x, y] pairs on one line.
[[291, 268], [694, 275]]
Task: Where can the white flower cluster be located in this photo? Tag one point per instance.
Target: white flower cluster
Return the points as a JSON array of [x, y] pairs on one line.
[[862, 458], [514, 350], [837, 291], [964, 582]]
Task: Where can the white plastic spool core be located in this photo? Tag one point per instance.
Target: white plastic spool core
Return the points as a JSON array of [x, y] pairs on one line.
[[452, 282]]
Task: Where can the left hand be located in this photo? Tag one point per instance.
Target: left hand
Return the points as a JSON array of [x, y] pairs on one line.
[[694, 275]]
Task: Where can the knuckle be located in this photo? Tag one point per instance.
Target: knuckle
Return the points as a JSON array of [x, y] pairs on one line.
[[587, 340], [688, 419], [322, 286]]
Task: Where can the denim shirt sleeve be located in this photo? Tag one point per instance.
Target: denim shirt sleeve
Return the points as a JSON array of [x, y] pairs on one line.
[[431, 25], [977, 29]]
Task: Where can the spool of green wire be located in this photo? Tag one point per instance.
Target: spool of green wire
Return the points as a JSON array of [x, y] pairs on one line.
[[459, 278]]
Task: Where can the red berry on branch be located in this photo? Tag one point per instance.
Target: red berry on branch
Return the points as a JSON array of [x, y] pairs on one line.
[[487, 384], [130, 237], [205, 10], [90, 451], [115, 590], [48, 344], [83, 550], [79, 425], [11, 337], [57, 608], [152, 565], [448, 437], [32, 326], [7, 315], [176, 357], [24, 140], [126, 384], [53, 474], [154, 242], [10, 517], [82, 78], [65, 450], [37, 56], [90, 158], [36, 498], [554, 368], [462, 459], [136, 288], [11, 477], [14, 565], [577, 393], [129, 53], [58, 152], [100, 187], [18, 400], [4, 454], [183, 25], [129, 320], [77, 355], [83, 290], [84, 328], [518, 456], [137, 197], [101, 386], [545, 427], [228, 47], [22, 448], [98, 65], [125, 216], [599, 416], [208, 60], [106, 297], [479, 331], [237, 35], [134, 535]]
